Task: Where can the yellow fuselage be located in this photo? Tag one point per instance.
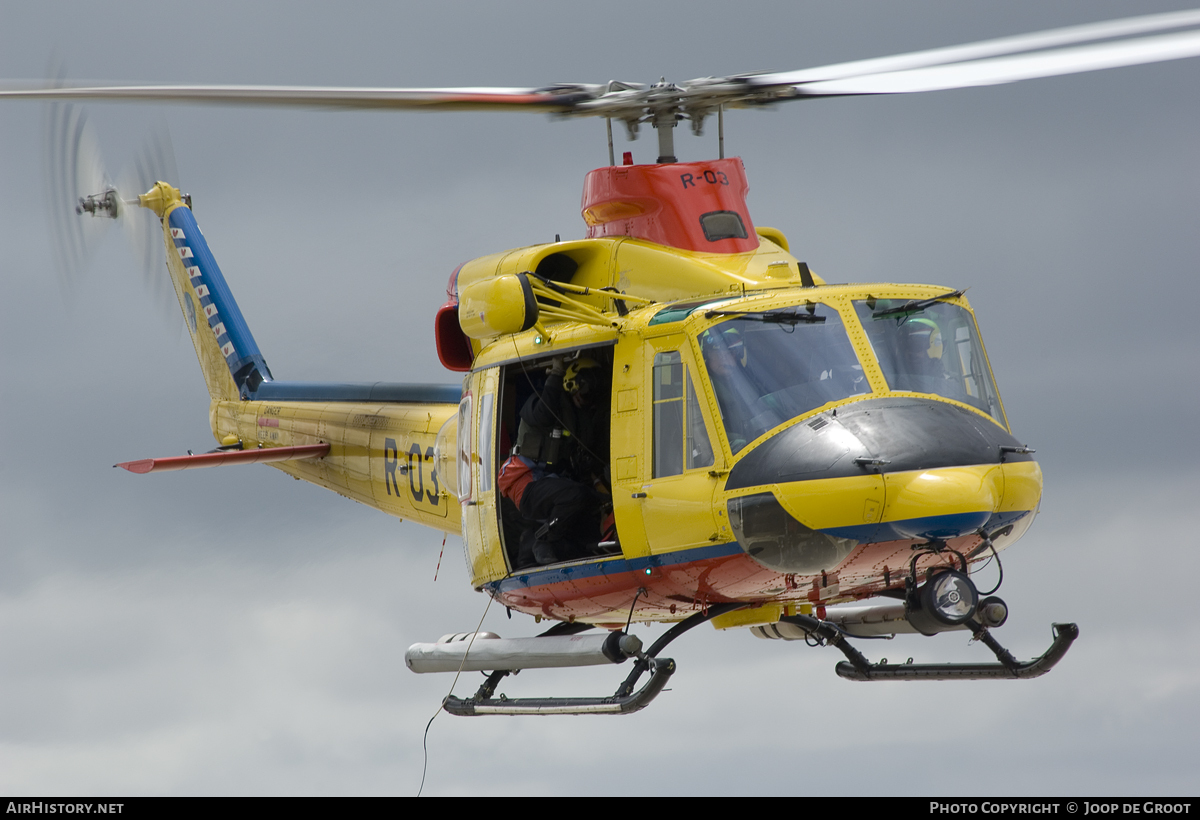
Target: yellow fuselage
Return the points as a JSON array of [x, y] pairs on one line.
[[774, 440]]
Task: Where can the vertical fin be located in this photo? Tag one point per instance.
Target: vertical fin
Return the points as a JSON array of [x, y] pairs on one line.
[[229, 357]]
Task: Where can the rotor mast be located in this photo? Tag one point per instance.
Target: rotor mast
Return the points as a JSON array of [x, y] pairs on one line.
[[663, 105], [664, 124]]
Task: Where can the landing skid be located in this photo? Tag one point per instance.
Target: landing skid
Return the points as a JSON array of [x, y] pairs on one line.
[[860, 669], [623, 702], [484, 704], [626, 701]]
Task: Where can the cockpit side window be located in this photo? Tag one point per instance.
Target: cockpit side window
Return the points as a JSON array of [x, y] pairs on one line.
[[931, 348], [680, 440]]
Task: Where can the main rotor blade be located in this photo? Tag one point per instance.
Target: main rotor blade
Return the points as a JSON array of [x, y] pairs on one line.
[[1010, 69], [555, 98], [1004, 60], [987, 48]]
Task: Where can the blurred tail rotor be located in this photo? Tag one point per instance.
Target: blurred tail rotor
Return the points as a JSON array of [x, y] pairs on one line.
[[155, 162], [75, 172], [84, 199]]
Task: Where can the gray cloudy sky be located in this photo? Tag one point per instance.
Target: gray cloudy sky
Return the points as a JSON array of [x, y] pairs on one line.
[[235, 632]]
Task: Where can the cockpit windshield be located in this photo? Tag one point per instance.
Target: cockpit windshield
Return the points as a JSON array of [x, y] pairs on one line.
[[930, 347], [771, 366]]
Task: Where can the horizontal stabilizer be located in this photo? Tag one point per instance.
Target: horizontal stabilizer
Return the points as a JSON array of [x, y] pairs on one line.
[[264, 455]]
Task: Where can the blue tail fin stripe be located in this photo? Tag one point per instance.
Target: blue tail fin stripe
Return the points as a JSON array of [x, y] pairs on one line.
[[224, 318]]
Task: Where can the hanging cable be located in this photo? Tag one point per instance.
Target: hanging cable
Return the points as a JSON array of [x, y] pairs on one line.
[[425, 739]]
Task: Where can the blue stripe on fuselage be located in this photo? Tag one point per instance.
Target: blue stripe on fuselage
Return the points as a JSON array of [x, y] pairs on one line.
[[934, 526]]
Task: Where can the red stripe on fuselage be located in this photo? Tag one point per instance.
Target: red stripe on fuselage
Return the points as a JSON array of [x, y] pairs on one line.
[[691, 585]]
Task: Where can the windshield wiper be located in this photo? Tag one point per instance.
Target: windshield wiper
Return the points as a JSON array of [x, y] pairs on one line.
[[777, 317], [915, 305]]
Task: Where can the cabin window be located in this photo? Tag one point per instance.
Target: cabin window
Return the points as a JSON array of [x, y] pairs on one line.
[[680, 440], [487, 464], [464, 448]]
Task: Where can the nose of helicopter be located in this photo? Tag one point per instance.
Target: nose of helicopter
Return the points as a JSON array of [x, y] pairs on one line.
[[877, 470], [942, 503]]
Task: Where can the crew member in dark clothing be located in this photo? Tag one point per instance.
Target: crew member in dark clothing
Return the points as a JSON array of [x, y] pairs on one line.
[[560, 457], [566, 426]]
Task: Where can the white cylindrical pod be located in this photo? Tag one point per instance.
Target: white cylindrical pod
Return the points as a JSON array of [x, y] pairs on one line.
[[491, 653]]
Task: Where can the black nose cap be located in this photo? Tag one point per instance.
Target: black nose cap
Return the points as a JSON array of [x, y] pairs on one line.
[[884, 435]]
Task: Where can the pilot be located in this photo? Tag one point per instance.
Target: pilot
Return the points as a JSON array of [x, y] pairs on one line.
[[561, 457], [922, 349], [725, 358]]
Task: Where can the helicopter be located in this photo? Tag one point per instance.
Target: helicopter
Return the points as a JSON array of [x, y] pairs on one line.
[[437, 467]]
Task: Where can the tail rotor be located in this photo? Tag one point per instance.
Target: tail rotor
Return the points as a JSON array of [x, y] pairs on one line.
[[155, 162], [85, 200], [77, 181]]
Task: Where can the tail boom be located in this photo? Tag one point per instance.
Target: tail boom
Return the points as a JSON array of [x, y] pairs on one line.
[[383, 439], [395, 457]]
